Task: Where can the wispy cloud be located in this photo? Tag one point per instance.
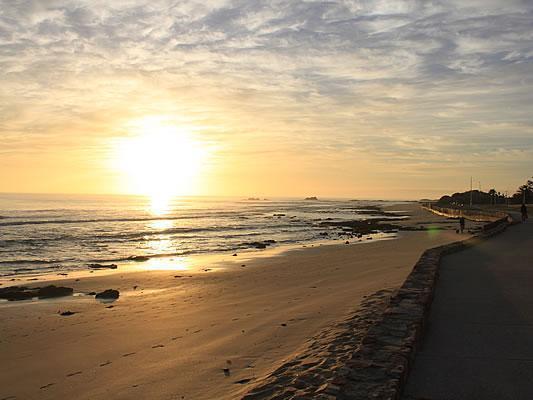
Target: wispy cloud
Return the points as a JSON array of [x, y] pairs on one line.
[[401, 84]]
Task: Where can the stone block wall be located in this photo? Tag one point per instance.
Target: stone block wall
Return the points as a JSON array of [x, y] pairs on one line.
[[380, 366]]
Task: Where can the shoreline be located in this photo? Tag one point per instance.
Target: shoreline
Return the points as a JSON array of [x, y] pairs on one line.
[[176, 336]]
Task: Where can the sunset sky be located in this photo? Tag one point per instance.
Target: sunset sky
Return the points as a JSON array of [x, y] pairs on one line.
[[374, 99]]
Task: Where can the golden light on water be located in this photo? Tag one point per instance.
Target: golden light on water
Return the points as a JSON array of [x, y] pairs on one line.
[[160, 160]]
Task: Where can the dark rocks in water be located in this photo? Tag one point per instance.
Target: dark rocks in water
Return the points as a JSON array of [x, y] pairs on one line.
[[347, 242], [102, 266], [364, 227], [324, 234], [139, 258], [15, 293], [91, 293], [311, 198], [261, 245], [108, 294], [52, 291], [279, 215]]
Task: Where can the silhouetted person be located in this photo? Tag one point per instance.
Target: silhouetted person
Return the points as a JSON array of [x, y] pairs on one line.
[[461, 224], [523, 210]]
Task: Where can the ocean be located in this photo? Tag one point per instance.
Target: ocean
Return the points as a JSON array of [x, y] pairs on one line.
[[47, 233]]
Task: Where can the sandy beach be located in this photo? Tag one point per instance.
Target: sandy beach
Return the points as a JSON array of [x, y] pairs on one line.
[[213, 330]]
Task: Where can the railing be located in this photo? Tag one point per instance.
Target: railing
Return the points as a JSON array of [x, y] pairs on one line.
[[468, 213]]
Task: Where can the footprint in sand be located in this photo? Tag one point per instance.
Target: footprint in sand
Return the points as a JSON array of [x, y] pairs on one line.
[[74, 374], [47, 386], [242, 381], [106, 363], [128, 354], [157, 346]]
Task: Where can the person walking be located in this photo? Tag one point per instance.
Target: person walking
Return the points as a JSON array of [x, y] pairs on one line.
[[523, 210], [461, 224]]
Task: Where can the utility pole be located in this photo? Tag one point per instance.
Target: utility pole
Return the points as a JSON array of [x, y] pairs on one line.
[[470, 192]]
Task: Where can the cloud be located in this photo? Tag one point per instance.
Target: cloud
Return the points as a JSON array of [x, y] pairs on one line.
[[393, 81]]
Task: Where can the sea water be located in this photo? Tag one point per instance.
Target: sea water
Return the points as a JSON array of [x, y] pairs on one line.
[[41, 233]]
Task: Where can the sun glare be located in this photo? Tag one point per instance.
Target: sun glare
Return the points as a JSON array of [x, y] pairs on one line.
[[159, 160]]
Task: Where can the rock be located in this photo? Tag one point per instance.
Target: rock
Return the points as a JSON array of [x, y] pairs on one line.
[[108, 294], [311, 198], [102, 266], [139, 258], [235, 255], [347, 242], [15, 293], [91, 293], [52, 291], [67, 313], [259, 245]]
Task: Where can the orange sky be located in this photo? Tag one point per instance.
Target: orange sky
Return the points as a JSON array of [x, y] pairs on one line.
[[347, 99]]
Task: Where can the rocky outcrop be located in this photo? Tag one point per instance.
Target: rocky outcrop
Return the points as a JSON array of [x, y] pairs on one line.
[[51, 291], [108, 294], [14, 293], [102, 266]]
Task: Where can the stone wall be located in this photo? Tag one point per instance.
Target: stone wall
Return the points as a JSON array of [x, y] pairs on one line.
[[379, 367]]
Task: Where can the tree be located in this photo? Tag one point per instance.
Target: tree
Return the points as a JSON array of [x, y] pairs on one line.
[[524, 193], [492, 193]]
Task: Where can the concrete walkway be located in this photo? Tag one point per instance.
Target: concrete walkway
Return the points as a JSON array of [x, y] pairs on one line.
[[479, 344]]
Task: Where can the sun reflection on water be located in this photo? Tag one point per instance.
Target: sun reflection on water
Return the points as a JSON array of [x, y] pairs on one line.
[[160, 204], [167, 264], [161, 224]]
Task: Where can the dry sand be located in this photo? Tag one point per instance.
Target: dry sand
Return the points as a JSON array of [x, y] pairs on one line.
[[203, 335]]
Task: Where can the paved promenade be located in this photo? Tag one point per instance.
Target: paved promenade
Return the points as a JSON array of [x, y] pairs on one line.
[[479, 344]]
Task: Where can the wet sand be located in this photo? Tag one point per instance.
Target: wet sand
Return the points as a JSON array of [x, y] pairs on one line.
[[213, 330]]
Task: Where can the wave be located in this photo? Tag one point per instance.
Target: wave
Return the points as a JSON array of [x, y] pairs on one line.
[[60, 264], [123, 219], [225, 232]]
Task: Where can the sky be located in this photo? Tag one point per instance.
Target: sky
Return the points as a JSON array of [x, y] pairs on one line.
[[352, 98]]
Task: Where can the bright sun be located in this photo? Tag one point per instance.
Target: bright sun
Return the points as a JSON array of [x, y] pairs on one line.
[[159, 160]]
